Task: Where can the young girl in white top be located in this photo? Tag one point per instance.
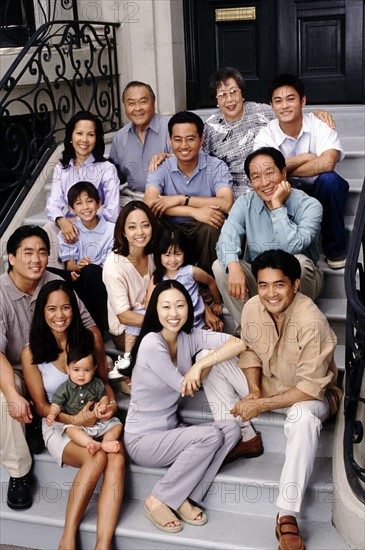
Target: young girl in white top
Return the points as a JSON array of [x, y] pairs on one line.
[[172, 262]]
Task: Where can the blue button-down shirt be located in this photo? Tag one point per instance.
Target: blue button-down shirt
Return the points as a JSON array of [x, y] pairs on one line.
[[132, 157], [294, 227], [91, 243], [210, 175]]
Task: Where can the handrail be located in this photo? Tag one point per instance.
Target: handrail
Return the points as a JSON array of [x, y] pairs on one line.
[[66, 66], [44, 10], [355, 353]]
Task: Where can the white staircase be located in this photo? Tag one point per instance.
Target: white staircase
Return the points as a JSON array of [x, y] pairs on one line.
[[241, 502]]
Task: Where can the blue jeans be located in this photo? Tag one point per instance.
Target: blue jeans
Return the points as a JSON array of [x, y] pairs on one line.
[[331, 190]]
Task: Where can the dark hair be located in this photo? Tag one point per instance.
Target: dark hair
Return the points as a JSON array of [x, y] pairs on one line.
[[287, 80], [42, 342], [276, 155], [82, 186], [121, 245], [277, 259], [151, 322], [167, 238], [69, 151], [138, 84], [222, 75], [23, 232], [81, 349], [186, 117]]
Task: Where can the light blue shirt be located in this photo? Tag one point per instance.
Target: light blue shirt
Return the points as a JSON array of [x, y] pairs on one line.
[[92, 243], [103, 175], [294, 227], [132, 157], [210, 175]]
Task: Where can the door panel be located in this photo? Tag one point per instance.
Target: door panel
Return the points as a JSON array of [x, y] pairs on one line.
[[321, 41], [244, 37]]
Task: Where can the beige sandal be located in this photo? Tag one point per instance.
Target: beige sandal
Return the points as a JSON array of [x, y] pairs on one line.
[[188, 513], [162, 515]]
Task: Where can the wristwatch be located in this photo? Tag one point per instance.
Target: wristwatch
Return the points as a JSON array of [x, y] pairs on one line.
[[187, 199]]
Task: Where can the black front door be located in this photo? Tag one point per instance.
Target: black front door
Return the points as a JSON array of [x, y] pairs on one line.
[[320, 41], [221, 33]]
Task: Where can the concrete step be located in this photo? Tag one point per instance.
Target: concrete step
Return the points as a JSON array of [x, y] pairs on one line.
[[238, 487], [41, 527], [335, 311]]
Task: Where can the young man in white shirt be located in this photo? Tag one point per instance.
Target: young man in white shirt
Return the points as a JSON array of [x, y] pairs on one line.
[[311, 149]]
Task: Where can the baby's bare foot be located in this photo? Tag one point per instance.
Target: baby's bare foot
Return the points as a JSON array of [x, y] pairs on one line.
[[93, 447], [110, 446]]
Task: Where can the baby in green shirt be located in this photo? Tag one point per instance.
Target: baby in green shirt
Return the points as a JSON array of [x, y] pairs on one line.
[[72, 396]]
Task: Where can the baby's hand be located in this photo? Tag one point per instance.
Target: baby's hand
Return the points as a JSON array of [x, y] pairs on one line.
[[102, 408]]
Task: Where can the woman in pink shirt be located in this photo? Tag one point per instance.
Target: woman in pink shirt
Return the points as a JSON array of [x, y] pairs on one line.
[[126, 274]]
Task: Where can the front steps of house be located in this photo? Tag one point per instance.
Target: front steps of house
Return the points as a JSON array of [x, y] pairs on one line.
[[241, 502]]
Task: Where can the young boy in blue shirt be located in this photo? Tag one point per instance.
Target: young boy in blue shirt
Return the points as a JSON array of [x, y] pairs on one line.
[[85, 258]]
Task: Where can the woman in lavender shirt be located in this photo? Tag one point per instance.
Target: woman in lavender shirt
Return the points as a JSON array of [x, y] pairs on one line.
[[154, 437], [82, 160]]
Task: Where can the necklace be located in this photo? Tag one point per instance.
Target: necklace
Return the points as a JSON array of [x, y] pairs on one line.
[[234, 123]]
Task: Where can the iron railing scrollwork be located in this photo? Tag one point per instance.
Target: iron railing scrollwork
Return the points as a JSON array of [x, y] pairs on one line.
[[20, 18], [355, 355], [65, 67]]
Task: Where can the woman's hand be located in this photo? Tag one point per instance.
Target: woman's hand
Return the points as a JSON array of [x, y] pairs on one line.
[[326, 117], [68, 229], [157, 160], [105, 412], [191, 382], [85, 417]]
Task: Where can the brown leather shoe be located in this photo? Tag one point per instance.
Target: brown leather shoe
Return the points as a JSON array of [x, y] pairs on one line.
[[287, 533], [246, 449]]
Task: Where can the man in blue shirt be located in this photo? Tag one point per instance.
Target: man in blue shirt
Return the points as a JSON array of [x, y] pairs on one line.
[[272, 216], [191, 190], [135, 144], [311, 149]]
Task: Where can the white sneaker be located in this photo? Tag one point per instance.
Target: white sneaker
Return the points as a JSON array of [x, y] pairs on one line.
[[123, 363]]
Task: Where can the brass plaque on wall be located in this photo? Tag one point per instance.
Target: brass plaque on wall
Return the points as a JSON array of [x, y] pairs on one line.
[[235, 14]]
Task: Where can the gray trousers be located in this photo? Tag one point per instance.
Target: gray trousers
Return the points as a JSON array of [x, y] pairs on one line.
[[193, 454], [311, 284]]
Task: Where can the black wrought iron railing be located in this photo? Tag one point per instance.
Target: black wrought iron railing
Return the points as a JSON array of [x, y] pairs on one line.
[[20, 18], [65, 67], [354, 404]]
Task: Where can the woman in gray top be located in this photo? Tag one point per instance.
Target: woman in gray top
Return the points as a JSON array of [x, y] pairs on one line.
[[153, 435]]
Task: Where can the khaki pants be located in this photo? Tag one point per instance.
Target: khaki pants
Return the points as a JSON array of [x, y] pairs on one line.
[[16, 457]]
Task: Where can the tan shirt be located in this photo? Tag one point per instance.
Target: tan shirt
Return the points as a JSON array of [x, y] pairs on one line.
[[126, 288], [298, 354]]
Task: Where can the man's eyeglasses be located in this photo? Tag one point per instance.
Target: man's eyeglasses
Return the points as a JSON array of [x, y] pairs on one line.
[[229, 93]]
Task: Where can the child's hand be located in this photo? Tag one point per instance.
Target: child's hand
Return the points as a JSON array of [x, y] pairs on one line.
[[217, 309], [84, 261], [50, 420], [75, 276], [102, 408], [212, 321]]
